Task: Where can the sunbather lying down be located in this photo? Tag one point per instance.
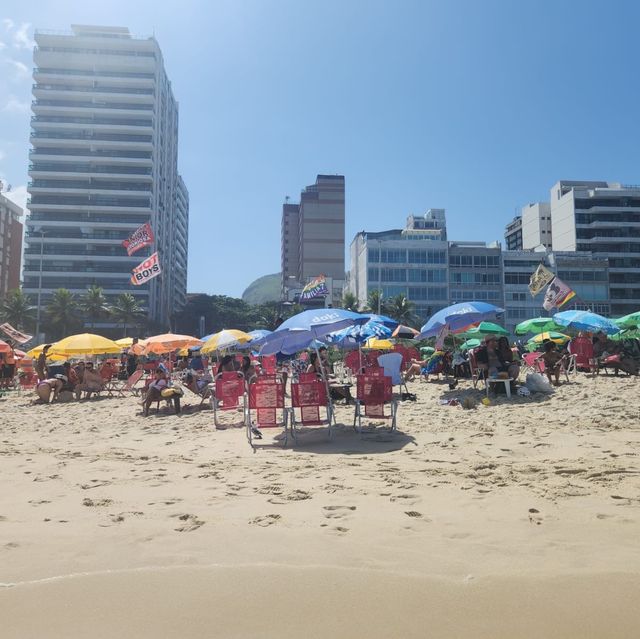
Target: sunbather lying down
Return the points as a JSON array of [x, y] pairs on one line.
[[47, 390]]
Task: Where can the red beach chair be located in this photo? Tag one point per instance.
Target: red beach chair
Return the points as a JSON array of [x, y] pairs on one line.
[[229, 395], [308, 397], [266, 399], [373, 392]]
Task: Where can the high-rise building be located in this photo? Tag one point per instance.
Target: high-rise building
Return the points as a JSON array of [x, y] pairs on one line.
[[10, 245], [104, 161], [604, 219], [536, 226], [513, 234], [313, 237]]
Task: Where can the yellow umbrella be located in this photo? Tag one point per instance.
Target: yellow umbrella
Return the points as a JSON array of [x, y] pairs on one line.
[[169, 342], [225, 339], [558, 338], [379, 344], [85, 344], [34, 353], [125, 342]]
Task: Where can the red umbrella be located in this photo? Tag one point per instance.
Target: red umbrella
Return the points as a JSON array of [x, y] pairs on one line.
[[404, 332]]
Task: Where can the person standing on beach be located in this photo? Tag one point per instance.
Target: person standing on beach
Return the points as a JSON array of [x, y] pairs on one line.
[[41, 363]]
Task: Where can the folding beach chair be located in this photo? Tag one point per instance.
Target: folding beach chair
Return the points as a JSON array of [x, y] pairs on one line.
[[128, 386], [373, 392], [269, 364], [308, 397], [532, 363], [229, 394], [266, 400], [582, 349]]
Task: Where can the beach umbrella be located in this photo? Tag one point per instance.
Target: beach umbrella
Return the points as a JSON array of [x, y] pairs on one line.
[[166, 343], [473, 342], [125, 342], [381, 319], [484, 328], [585, 321], [404, 332], [85, 344], [352, 336], [296, 333], [537, 325], [379, 344], [458, 317], [4, 347], [630, 333], [553, 336], [427, 350], [224, 340], [258, 333], [628, 321]]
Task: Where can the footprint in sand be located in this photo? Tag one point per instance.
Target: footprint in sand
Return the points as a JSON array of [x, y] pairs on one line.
[[535, 517], [97, 502], [412, 513], [190, 523], [337, 512], [265, 520]]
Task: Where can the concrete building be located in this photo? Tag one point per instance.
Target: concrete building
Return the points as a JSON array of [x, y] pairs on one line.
[[536, 226], [587, 276], [312, 237], [421, 264], [10, 245], [513, 234], [604, 219], [104, 161]]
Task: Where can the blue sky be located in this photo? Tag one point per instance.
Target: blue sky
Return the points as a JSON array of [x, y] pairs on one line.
[[475, 107]]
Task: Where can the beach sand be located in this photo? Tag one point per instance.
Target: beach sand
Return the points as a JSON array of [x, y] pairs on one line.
[[520, 519]]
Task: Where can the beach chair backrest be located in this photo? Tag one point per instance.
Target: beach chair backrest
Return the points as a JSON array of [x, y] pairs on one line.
[[373, 392], [266, 399], [230, 388], [134, 378], [530, 360], [307, 377], [309, 397], [352, 361], [266, 378], [269, 363], [582, 348]]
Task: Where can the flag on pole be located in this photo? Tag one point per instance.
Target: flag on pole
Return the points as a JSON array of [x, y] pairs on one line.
[[539, 279], [146, 271], [557, 294], [140, 238], [315, 288]]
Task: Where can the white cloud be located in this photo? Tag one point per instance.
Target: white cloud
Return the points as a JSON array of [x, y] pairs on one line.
[[21, 69], [8, 24], [13, 105], [18, 195], [21, 38]]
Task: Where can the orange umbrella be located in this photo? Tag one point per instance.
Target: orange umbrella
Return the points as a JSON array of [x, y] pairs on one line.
[[169, 342], [4, 347]]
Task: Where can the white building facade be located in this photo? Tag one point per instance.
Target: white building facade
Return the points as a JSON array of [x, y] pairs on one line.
[[104, 161]]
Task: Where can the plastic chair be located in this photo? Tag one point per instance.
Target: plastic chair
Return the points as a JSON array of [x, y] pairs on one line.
[[582, 348], [266, 399], [229, 394], [478, 374], [309, 397], [373, 392]]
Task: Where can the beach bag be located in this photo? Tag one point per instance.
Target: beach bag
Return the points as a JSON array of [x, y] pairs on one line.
[[538, 383]]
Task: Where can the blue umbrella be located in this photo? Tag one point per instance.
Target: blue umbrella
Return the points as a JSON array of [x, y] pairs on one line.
[[586, 321], [459, 316], [299, 331], [353, 335], [381, 319]]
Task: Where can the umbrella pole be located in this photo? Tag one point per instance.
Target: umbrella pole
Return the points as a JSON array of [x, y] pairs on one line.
[[326, 385]]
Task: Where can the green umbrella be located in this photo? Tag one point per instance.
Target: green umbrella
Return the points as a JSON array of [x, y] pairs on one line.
[[629, 321], [470, 343], [630, 333], [537, 325], [484, 328], [427, 350]]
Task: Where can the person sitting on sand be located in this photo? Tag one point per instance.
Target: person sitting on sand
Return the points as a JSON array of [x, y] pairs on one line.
[[91, 382], [155, 390], [554, 362], [47, 389]]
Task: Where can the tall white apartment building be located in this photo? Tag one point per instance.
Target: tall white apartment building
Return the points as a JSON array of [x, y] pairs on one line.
[[104, 161], [604, 219]]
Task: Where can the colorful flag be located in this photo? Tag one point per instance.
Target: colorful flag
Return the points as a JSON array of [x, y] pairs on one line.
[[15, 334], [540, 279], [146, 271], [558, 293], [140, 238], [316, 288]]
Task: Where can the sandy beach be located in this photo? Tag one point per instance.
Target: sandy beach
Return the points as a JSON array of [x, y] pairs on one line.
[[519, 519]]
